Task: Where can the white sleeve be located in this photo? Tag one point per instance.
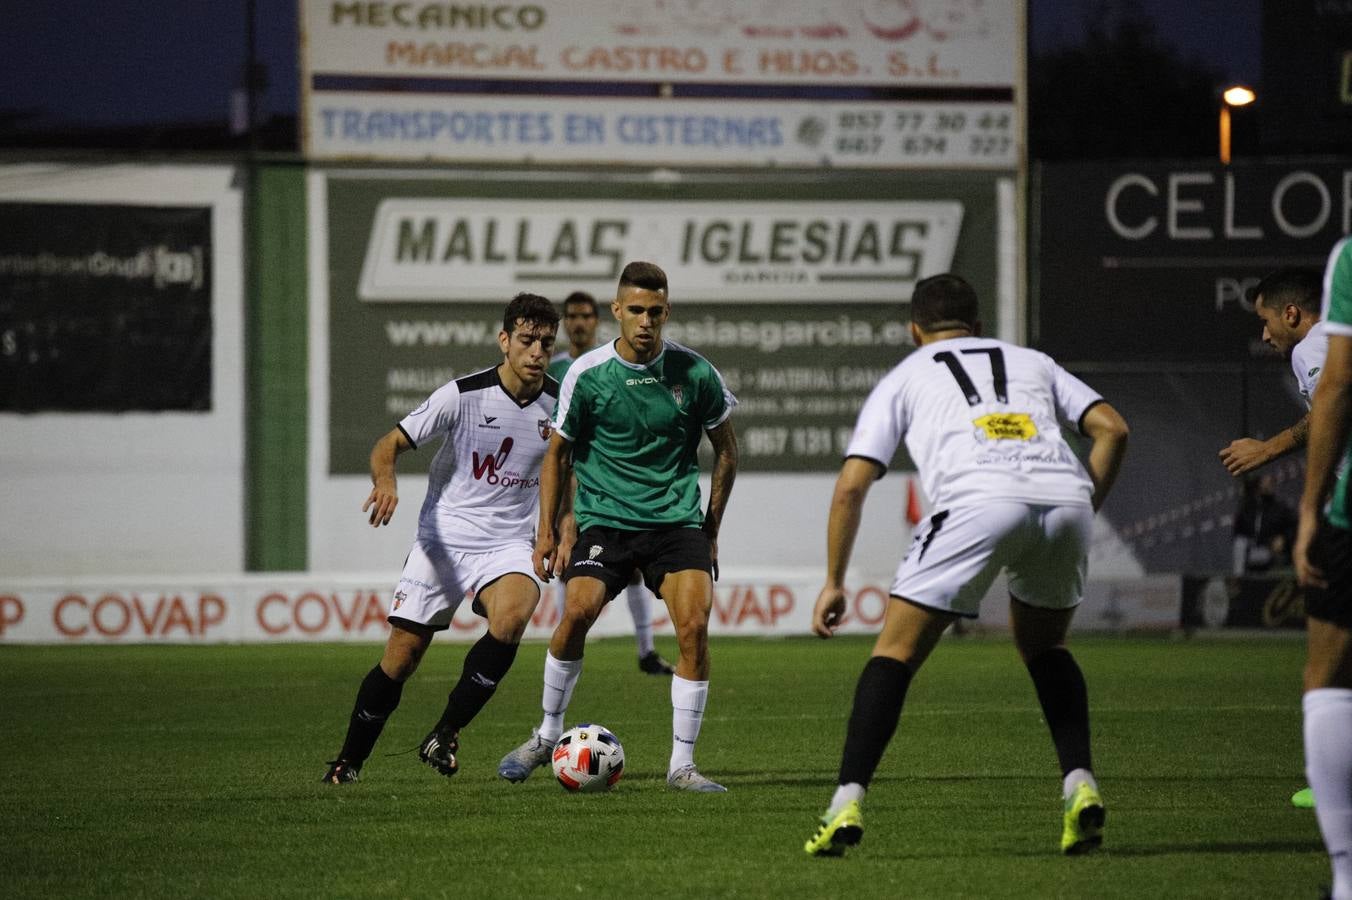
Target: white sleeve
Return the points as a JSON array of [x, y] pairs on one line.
[[435, 416], [1306, 366], [882, 422], [1072, 396], [565, 402]]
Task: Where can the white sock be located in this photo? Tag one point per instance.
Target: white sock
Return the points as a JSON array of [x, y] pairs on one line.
[[687, 712], [641, 608], [560, 677], [1074, 778], [1328, 765], [846, 793]]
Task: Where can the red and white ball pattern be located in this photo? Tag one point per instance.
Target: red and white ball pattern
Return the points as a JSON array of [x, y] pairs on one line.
[[588, 759]]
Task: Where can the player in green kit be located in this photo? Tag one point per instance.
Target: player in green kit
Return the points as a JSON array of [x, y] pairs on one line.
[[1323, 561], [579, 323], [630, 418]]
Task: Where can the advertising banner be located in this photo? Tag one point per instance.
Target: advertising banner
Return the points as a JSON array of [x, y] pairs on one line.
[[296, 608], [1147, 261], [1250, 601], [744, 82], [104, 308], [797, 302]]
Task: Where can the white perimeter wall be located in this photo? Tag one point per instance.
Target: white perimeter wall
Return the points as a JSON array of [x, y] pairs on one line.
[[133, 493]]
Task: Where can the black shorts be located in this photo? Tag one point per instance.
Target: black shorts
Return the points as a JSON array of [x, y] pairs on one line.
[[612, 554], [1331, 553]]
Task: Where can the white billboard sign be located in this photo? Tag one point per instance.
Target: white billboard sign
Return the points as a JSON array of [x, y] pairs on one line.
[[929, 83], [482, 250]]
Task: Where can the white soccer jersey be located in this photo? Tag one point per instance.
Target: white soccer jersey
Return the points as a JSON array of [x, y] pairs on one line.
[[1307, 360], [980, 420], [483, 486]]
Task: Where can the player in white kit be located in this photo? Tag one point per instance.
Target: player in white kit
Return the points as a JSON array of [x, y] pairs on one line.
[[475, 532], [1288, 303], [981, 419]]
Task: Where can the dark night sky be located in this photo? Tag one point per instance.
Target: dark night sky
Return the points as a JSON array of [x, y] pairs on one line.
[[139, 61]]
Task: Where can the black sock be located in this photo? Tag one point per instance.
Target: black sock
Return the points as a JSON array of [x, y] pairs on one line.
[[877, 707], [485, 665], [1065, 705], [377, 698]]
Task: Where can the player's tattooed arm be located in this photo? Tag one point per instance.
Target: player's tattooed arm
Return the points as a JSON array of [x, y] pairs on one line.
[[724, 441], [1300, 432], [1246, 454]]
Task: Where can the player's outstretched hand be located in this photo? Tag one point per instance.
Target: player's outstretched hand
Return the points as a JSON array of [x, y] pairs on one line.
[[545, 556], [381, 503], [828, 612], [1243, 455], [1307, 574]]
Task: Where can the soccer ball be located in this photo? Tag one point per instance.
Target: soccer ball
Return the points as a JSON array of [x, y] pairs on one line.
[[588, 759]]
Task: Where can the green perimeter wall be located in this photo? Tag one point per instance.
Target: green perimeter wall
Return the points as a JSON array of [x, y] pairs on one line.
[[276, 401]]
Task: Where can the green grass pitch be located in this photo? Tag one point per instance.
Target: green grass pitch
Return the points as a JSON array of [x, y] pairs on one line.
[[194, 772]]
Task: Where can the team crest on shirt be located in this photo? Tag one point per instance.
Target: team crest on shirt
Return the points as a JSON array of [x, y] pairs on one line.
[[678, 394], [545, 427]]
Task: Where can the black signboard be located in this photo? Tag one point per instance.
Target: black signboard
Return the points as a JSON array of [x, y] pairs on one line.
[[1149, 261], [104, 308], [1305, 99]]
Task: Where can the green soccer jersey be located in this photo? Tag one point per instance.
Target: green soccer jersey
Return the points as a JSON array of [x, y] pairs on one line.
[[635, 430], [1337, 319], [558, 366]]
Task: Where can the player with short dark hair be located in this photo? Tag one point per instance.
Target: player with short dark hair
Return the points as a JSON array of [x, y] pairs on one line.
[[628, 425], [1287, 302], [579, 323], [1323, 561], [980, 417], [474, 533]]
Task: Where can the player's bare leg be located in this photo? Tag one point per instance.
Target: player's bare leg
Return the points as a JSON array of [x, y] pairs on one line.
[[1040, 636], [508, 602], [640, 602], [689, 597], [909, 634], [584, 598], [378, 697]]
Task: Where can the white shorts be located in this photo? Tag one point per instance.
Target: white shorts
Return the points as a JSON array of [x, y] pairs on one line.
[[956, 554], [435, 580]]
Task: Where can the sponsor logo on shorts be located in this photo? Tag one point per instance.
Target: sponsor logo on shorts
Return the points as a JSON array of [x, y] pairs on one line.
[[589, 562], [594, 551], [399, 598]]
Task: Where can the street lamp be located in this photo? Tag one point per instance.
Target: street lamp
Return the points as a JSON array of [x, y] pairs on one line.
[[1237, 95]]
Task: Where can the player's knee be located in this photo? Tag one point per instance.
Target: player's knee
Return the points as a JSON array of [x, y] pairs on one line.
[[579, 616], [400, 663], [692, 631]]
